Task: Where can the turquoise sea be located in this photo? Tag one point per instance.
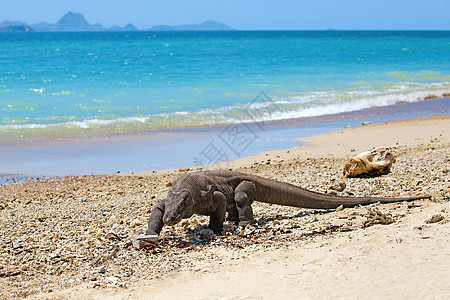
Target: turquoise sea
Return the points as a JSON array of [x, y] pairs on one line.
[[58, 85], [78, 83]]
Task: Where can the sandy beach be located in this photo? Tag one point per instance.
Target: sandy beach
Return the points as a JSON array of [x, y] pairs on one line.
[[70, 237]]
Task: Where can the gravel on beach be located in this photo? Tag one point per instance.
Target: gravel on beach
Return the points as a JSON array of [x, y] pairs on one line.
[[70, 231]]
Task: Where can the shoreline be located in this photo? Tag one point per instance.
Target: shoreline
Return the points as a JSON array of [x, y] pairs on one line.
[[349, 141], [175, 149], [387, 112], [55, 244]]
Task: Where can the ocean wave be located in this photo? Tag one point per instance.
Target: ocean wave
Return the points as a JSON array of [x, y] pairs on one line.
[[307, 104], [331, 102]]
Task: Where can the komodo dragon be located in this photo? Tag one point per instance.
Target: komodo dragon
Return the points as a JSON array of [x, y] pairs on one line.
[[213, 193]]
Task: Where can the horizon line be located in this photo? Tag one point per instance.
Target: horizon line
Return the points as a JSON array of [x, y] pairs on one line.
[[231, 30]]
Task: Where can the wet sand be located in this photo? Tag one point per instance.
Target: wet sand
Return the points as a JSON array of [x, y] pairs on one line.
[[56, 237]]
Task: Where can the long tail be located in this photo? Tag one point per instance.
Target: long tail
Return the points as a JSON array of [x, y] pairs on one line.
[[317, 200], [281, 193]]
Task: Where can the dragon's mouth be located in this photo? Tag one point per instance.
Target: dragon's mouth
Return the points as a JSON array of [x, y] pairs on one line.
[[171, 218]]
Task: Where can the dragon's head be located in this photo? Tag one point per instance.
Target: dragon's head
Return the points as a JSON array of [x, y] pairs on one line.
[[178, 206], [181, 204]]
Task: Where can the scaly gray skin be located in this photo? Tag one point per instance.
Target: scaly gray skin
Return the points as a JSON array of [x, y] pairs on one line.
[[213, 193]]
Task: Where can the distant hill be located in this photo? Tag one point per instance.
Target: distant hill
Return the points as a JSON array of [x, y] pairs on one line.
[[69, 22], [16, 28], [128, 27], [209, 25], [11, 23], [77, 22]]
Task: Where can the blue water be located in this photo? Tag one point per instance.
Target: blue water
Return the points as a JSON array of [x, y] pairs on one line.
[[63, 84]]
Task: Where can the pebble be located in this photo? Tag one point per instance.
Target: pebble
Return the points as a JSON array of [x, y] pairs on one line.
[[206, 233], [434, 218], [135, 223], [112, 279], [339, 186], [345, 228]]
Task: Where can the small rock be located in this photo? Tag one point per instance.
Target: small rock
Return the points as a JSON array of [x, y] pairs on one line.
[[345, 227], [112, 279], [375, 216], [169, 184], [200, 227], [338, 186], [206, 233], [135, 223], [335, 225], [16, 245], [102, 270], [184, 223], [143, 241], [434, 219]]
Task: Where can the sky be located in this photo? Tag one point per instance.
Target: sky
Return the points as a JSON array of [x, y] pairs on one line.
[[243, 14]]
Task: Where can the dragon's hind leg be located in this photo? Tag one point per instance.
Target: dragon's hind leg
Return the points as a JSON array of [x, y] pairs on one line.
[[243, 196]]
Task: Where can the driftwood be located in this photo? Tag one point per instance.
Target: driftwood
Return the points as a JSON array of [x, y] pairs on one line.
[[371, 163]]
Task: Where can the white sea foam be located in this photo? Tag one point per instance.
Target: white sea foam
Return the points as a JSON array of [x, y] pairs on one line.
[[85, 124], [325, 103], [99, 123], [63, 93], [307, 104], [23, 126], [38, 91]]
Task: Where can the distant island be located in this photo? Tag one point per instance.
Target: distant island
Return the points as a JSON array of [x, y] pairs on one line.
[[69, 22], [16, 28], [77, 22], [209, 25]]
